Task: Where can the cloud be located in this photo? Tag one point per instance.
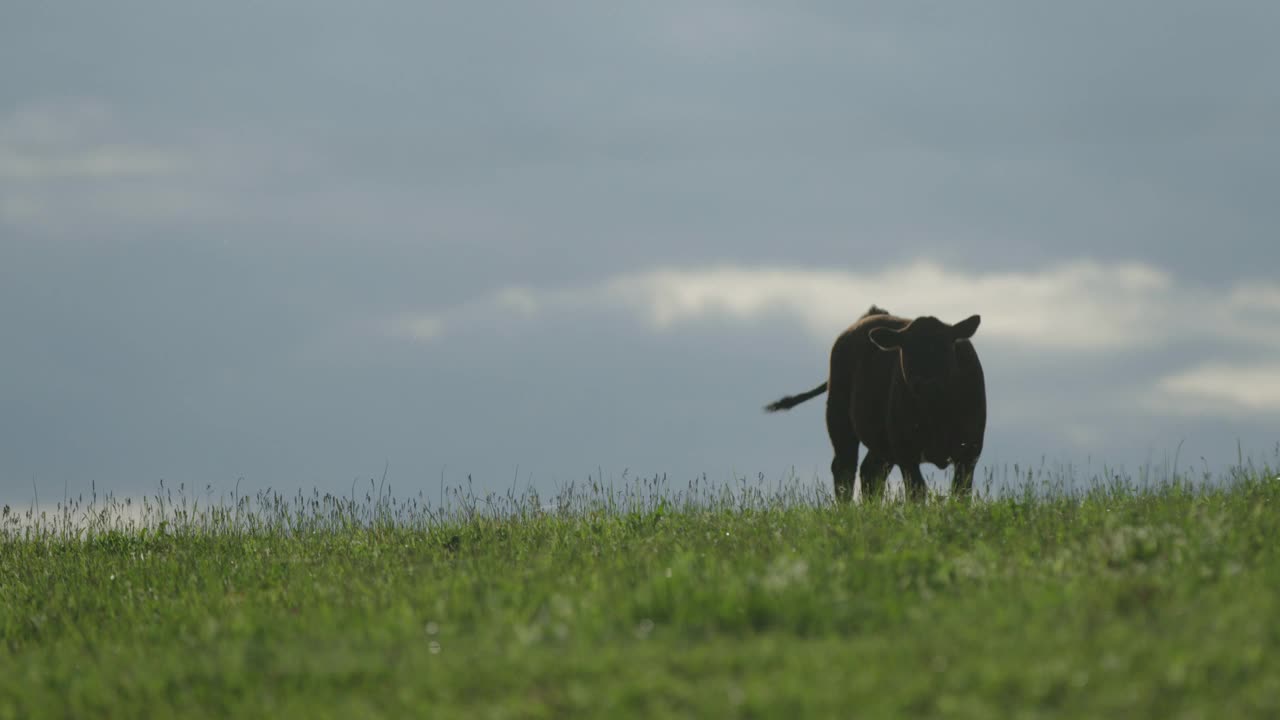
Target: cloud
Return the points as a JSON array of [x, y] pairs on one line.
[[1221, 388], [105, 162], [1081, 306], [76, 141], [416, 327], [723, 31], [1103, 312], [72, 164]]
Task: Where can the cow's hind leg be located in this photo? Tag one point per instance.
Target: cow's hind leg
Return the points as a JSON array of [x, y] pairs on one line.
[[843, 474], [845, 443], [873, 472]]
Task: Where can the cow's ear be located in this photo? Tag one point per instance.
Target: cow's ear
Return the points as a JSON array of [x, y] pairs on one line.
[[965, 329], [885, 338]]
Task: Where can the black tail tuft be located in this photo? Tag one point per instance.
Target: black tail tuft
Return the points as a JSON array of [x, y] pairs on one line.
[[791, 401]]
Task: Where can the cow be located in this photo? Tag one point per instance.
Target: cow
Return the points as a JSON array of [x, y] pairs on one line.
[[911, 391]]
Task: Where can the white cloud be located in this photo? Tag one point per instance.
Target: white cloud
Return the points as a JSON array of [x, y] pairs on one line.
[[104, 162], [53, 122], [1221, 388], [71, 164], [76, 141], [723, 31], [420, 327], [1256, 298], [1080, 306]]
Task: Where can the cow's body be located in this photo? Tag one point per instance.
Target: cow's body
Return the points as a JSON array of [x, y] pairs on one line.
[[939, 416]]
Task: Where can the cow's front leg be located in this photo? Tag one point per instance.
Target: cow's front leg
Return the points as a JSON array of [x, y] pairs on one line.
[[962, 481], [913, 482]]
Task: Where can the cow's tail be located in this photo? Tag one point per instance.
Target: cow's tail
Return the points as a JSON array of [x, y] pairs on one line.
[[791, 401]]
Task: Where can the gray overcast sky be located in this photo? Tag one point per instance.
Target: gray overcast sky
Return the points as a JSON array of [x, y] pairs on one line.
[[290, 242]]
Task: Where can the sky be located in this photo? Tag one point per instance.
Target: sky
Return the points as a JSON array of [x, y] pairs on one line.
[[300, 244]]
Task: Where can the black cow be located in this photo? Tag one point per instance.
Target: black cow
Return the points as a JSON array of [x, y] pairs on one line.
[[912, 391]]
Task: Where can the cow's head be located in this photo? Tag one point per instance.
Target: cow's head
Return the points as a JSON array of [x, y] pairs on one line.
[[926, 351]]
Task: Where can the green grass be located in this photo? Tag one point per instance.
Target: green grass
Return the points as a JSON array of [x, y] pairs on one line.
[[1123, 601]]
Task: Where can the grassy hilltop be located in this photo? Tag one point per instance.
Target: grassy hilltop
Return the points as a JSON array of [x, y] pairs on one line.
[[1122, 601]]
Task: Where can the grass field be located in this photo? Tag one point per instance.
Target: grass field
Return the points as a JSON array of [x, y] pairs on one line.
[[1159, 600]]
